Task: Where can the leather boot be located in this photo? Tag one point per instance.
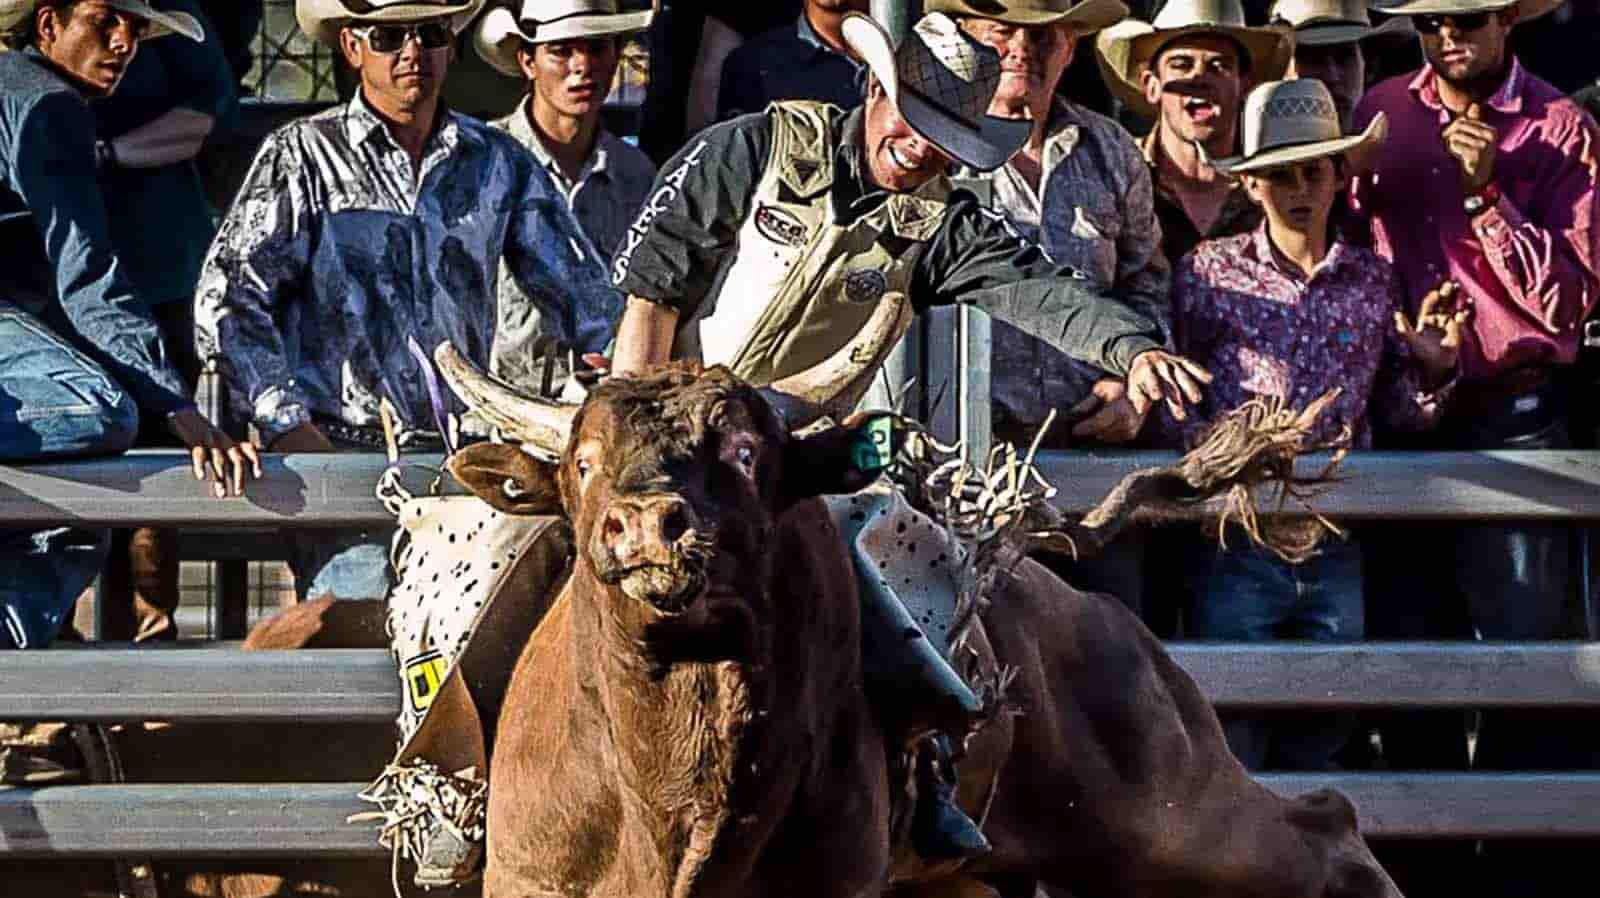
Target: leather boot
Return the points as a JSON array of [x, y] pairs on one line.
[[940, 830]]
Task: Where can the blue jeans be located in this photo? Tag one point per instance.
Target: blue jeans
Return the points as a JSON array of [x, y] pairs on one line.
[[1246, 595], [345, 564], [54, 403]]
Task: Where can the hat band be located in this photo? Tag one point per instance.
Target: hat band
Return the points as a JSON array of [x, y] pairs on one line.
[[532, 26], [364, 7], [1261, 151]]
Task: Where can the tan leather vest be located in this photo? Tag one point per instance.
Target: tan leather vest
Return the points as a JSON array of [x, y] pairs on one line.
[[798, 286]]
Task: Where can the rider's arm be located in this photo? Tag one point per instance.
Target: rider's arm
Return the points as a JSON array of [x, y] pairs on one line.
[[644, 338], [53, 172], [690, 221], [976, 257]]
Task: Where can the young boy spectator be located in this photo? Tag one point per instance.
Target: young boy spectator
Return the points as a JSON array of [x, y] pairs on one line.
[[1289, 311]]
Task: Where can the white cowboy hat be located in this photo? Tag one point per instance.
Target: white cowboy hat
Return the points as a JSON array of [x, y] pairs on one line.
[[501, 33], [1085, 16], [1321, 22], [162, 22], [941, 80], [1527, 10], [1124, 49], [1292, 121], [322, 19]]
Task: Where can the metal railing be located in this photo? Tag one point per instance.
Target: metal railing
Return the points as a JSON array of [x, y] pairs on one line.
[[356, 687]]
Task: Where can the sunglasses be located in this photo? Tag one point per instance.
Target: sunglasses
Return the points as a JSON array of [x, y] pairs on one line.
[[1430, 24], [391, 38]]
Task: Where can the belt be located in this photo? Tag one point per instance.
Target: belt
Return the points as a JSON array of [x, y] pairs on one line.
[[373, 438]]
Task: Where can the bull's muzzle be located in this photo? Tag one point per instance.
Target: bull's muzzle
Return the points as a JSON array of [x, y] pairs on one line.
[[650, 547]]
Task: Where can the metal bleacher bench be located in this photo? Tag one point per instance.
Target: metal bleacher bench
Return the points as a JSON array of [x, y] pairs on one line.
[[307, 491]]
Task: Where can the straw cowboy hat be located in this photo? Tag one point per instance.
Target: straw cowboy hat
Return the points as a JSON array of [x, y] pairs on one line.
[[322, 19], [501, 33], [1527, 10], [1321, 22], [1124, 49], [162, 22], [1085, 16], [1292, 121], [941, 81]]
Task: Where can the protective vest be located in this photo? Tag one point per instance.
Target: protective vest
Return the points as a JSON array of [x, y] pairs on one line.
[[798, 286]]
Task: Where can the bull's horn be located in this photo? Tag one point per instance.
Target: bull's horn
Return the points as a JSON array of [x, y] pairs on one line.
[[839, 381], [535, 422]]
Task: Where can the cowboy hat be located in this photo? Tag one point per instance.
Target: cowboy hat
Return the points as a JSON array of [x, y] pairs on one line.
[[1293, 121], [322, 19], [941, 80], [162, 22], [500, 33], [1085, 16], [1124, 49], [1322, 22], [1527, 10]]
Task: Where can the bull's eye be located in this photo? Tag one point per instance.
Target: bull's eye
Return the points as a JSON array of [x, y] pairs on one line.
[[583, 469], [746, 457]]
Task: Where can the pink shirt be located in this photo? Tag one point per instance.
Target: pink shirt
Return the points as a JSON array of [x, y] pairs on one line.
[[1527, 264]]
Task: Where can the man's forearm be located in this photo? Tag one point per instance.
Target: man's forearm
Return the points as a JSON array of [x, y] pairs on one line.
[[644, 336], [175, 136]]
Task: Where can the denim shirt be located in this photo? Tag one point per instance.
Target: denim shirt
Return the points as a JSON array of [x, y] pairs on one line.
[[790, 62], [336, 254], [57, 260]]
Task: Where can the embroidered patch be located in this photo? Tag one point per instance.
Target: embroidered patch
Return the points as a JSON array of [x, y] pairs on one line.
[[423, 675], [780, 226], [874, 445], [865, 285]]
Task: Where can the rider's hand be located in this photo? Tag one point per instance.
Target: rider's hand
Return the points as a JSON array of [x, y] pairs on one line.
[[1107, 415], [305, 438], [1158, 375], [215, 455], [1435, 336]]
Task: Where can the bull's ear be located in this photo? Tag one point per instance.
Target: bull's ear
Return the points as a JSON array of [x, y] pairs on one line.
[[843, 458], [507, 478]]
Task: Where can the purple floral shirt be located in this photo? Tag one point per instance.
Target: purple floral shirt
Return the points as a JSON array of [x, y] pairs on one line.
[[1263, 329]]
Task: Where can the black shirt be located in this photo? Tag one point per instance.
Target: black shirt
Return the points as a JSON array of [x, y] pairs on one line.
[[789, 62], [676, 247]]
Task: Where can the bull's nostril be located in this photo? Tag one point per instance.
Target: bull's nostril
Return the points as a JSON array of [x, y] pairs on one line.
[[612, 529], [674, 524]]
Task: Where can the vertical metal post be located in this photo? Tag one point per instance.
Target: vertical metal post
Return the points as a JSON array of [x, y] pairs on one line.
[[906, 362]]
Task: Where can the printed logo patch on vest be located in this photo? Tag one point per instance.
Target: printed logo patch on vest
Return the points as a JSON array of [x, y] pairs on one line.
[[865, 285], [780, 226], [423, 675]]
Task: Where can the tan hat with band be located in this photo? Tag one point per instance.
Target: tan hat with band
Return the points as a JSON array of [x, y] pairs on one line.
[[1125, 49], [162, 22], [1085, 16], [1318, 23], [323, 19], [501, 33], [1527, 10], [1285, 122]]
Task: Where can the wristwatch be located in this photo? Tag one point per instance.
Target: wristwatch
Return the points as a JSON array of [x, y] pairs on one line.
[[1480, 202]]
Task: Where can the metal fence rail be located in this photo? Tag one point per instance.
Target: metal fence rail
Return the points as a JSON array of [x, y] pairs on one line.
[[308, 820], [360, 686], [157, 487]]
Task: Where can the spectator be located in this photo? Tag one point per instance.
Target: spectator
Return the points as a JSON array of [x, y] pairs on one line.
[[1328, 38], [1489, 180], [1189, 70], [805, 60], [604, 181], [172, 100], [1078, 187], [819, 214], [369, 226], [81, 353], [1288, 313]]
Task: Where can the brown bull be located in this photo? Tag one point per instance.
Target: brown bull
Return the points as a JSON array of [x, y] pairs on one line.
[[690, 719]]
